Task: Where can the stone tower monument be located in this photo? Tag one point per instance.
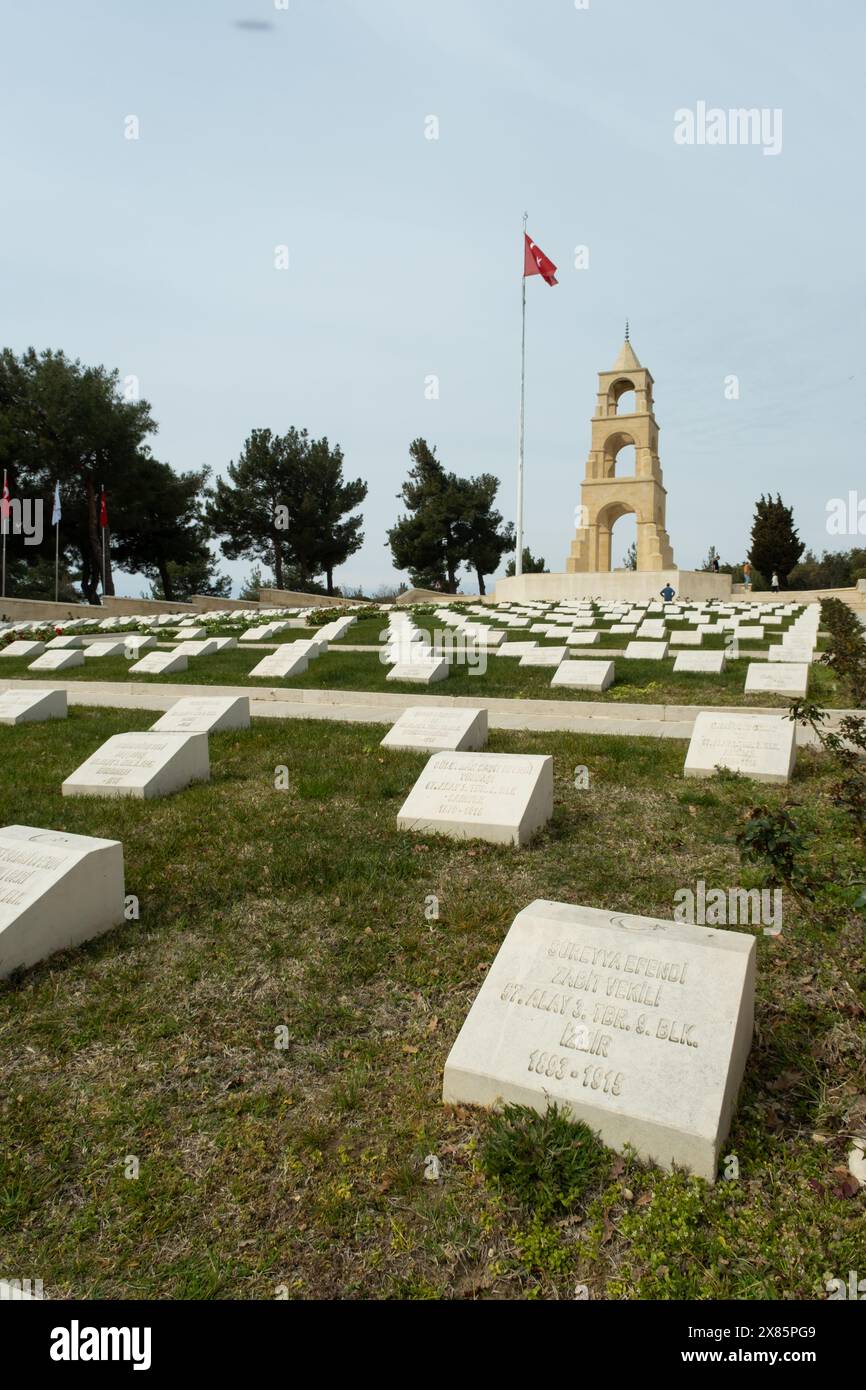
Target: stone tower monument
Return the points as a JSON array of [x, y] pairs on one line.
[[604, 495]]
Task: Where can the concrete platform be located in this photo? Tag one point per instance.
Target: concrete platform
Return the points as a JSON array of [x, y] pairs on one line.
[[614, 584]]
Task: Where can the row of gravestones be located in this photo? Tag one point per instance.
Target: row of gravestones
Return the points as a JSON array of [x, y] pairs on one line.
[[68, 651], [638, 1026], [412, 657]]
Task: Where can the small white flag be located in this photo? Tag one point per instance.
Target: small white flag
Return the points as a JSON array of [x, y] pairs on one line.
[[55, 514]]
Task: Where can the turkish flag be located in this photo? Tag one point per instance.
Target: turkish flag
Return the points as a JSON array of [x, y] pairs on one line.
[[103, 510], [536, 263]]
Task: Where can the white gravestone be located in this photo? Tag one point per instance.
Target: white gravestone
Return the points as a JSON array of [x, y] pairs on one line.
[[500, 797], [686, 639], [797, 652], [23, 649], [585, 675], [426, 671], [141, 765], [134, 646], [515, 648], [195, 647], [286, 661], [57, 661], [32, 706], [711, 663], [760, 746], [640, 1028], [97, 649], [646, 651], [782, 678], [438, 730], [544, 656], [209, 715], [56, 891], [59, 644], [159, 664], [588, 637]]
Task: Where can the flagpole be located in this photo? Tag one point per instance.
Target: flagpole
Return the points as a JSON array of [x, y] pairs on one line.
[[518, 561], [56, 552], [5, 525], [102, 529]]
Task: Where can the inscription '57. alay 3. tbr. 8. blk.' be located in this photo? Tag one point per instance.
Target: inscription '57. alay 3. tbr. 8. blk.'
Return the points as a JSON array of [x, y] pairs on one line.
[[637, 1026]]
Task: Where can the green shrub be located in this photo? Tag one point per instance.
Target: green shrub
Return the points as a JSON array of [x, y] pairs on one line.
[[546, 1162]]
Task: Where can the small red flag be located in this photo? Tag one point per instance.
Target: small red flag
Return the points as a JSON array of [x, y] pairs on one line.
[[536, 263], [103, 510]]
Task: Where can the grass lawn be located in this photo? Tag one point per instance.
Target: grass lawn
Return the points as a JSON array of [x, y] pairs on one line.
[[639, 682], [302, 1167]]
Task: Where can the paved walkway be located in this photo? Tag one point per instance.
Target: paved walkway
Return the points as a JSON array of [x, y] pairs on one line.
[[374, 707]]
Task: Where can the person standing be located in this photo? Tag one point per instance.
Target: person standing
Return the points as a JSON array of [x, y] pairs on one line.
[[667, 593], [747, 576], [774, 583]]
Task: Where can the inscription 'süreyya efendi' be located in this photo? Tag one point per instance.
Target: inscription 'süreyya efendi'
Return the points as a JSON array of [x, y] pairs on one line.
[[668, 1030]]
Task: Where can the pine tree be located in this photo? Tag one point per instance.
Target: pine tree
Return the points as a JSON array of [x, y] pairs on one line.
[[775, 543], [532, 564]]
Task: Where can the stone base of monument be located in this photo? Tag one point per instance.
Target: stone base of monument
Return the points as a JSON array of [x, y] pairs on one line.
[[639, 1027], [501, 797], [438, 730], [760, 746], [142, 765], [585, 675], [632, 585], [32, 706], [56, 891], [209, 715]]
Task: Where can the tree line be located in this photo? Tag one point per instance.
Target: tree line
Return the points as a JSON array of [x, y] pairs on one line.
[[775, 547], [284, 503]]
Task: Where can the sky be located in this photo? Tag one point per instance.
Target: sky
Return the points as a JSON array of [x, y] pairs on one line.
[[305, 125]]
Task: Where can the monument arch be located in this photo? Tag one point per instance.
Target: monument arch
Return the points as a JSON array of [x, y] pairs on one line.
[[606, 496]]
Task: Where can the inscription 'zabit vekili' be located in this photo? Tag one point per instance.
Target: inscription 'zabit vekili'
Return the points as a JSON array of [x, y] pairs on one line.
[[647, 1046]]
